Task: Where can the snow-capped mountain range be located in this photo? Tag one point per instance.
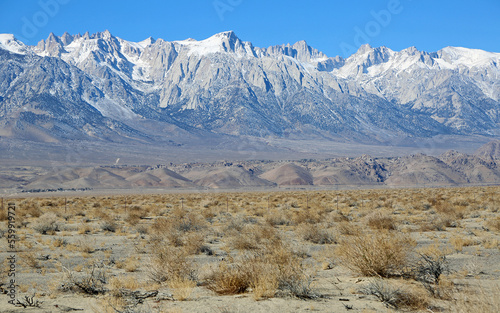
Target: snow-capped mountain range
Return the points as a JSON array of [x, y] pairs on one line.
[[103, 87]]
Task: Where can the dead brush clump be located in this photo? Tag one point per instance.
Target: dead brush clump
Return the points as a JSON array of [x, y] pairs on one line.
[[293, 278], [490, 243], [59, 242], [167, 263], [85, 229], [338, 217], [458, 242], [92, 280], [430, 270], [134, 217], [452, 211], [187, 220], [119, 286], [476, 299], [265, 282], [493, 224], [142, 229], [380, 253], [272, 269], [306, 215], [252, 237], [348, 228], [381, 221], [319, 233], [194, 243], [31, 259], [237, 223], [130, 264], [187, 233], [229, 278], [181, 288], [85, 245], [30, 208], [437, 222], [397, 295], [109, 225], [161, 227], [278, 217], [99, 214], [46, 224], [209, 214]]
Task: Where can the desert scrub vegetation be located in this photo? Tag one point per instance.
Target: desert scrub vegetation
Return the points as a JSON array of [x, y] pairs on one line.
[[170, 263], [398, 295], [91, 281], [383, 253], [405, 247], [320, 233], [47, 224], [494, 224], [474, 298], [381, 220], [271, 269]]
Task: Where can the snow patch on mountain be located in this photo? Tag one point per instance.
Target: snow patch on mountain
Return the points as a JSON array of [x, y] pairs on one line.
[[204, 47], [457, 56], [109, 108], [10, 43], [225, 42]]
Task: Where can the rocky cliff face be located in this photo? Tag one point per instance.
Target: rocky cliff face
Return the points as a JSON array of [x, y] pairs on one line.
[[101, 86]]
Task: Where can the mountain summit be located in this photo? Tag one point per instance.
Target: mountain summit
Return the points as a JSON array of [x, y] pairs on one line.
[[101, 87]]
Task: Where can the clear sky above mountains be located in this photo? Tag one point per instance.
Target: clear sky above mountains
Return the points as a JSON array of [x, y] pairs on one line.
[[332, 26]]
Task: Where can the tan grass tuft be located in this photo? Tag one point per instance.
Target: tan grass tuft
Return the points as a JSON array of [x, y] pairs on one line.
[[376, 254]]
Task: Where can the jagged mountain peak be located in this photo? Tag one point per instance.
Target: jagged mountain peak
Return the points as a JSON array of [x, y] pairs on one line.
[[301, 45], [364, 60], [411, 51], [230, 34], [105, 34], [368, 52], [224, 42], [66, 38], [226, 36], [304, 51], [10, 43], [148, 41], [52, 37], [300, 51], [364, 49]]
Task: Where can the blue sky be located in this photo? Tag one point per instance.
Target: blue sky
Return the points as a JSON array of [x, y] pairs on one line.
[[332, 26]]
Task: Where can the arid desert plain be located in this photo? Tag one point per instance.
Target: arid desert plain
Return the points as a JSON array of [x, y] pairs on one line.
[[385, 250]]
